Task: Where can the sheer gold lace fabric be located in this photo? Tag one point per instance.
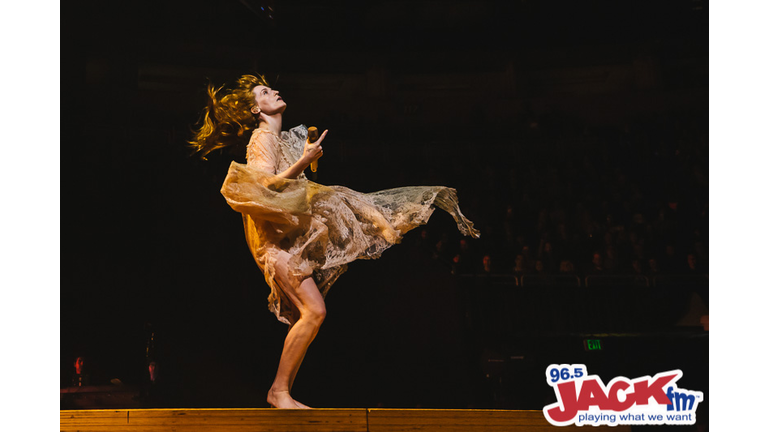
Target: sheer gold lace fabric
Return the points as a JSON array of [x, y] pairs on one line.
[[316, 230]]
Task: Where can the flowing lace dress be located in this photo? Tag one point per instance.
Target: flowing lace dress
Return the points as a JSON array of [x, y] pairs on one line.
[[315, 230]]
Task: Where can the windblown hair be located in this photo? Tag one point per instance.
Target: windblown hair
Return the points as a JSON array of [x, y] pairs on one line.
[[228, 116]]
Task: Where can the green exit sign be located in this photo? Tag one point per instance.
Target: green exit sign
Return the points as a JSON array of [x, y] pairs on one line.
[[592, 345]]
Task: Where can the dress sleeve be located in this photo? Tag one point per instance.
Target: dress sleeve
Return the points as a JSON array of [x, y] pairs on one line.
[[263, 152]]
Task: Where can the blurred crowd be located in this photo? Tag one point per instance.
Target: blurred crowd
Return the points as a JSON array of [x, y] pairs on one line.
[[557, 197]]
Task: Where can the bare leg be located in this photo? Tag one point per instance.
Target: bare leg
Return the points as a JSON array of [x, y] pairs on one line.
[[293, 320], [293, 375], [309, 301]]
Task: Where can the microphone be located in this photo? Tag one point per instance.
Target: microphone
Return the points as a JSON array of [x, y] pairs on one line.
[[313, 135]]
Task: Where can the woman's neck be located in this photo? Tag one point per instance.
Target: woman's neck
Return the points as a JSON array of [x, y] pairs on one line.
[[273, 123]]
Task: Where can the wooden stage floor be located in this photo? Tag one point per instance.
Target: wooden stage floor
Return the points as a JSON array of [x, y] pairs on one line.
[[315, 420]]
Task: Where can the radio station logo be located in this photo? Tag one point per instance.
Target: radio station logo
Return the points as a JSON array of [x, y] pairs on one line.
[[583, 399]]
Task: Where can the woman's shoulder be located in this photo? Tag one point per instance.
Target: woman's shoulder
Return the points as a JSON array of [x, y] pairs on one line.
[[261, 135], [294, 137]]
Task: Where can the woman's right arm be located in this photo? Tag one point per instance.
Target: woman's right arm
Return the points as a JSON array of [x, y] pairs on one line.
[[264, 155], [312, 152], [295, 169]]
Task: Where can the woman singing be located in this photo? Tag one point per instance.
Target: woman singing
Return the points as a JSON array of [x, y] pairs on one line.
[[303, 234]]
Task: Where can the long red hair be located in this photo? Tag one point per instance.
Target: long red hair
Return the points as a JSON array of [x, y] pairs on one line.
[[227, 117]]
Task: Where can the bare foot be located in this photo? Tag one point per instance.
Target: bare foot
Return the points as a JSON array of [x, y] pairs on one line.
[[387, 231], [301, 405], [281, 399], [390, 235]]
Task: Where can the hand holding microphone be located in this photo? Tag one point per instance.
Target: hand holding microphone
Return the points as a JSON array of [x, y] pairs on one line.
[[312, 149]]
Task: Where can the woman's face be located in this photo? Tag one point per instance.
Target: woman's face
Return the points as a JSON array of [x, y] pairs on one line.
[[268, 101]]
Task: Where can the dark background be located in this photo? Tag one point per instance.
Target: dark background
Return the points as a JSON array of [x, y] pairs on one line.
[[483, 96]]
